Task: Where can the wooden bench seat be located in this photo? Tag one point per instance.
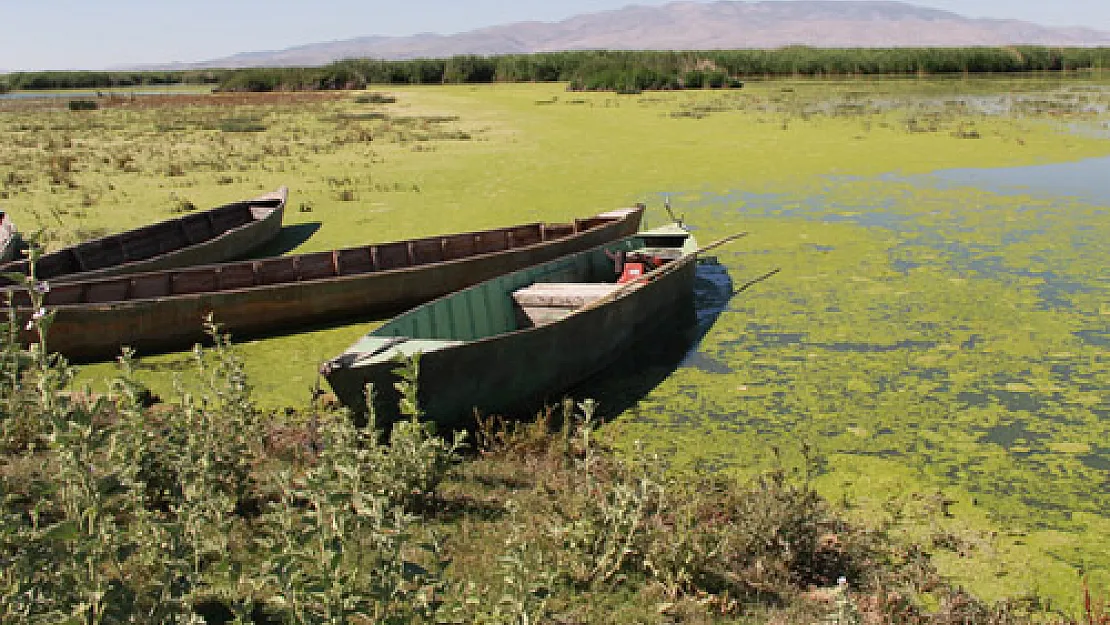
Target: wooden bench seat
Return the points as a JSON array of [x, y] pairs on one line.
[[546, 302], [562, 294]]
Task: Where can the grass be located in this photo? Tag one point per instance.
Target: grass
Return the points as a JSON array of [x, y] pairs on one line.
[[923, 354]]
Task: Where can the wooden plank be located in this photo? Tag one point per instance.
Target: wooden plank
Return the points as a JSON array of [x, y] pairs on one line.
[[443, 323], [277, 270], [197, 228], [564, 295], [463, 329], [77, 260], [589, 223], [146, 286], [316, 266], [526, 235], [100, 254], [238, 276], [355, 261], [459, 246], [107, 291], [198, 281], [184, 232], [535, 316], [557, 231], [59, 295], [392, 255], [495, 241], [233, 218], [141, 245], [427, 251]]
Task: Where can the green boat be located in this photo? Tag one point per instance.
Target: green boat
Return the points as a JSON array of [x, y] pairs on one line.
[[510, 344]]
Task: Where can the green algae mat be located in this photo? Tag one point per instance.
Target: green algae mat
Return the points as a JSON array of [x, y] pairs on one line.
[[940, 337]]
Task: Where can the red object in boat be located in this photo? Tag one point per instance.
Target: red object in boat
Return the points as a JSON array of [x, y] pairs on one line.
[[631, 272]]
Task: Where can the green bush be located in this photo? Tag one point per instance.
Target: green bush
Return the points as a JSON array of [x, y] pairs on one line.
[[113, 511], [376, 98], [694, 79], [83, 105]]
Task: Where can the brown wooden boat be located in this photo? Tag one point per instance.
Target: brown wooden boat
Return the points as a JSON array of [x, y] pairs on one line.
[[210, 236], [9, 238], [164, 310]]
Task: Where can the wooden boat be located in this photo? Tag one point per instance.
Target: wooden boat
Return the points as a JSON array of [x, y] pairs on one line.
[[164, 310], [9, 238], [500, 346], [210, 236]]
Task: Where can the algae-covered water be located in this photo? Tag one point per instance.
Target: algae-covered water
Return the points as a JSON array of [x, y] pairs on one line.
[[948, 331], [937, 329]]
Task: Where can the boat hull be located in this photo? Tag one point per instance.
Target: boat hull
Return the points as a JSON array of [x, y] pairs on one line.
[[215, 235], [97, 331], [519, 372]]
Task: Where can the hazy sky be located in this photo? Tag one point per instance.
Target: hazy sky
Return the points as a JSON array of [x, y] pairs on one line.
[[95, 34]]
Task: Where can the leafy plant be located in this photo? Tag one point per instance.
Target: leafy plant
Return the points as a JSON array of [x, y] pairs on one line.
[[160, 515]]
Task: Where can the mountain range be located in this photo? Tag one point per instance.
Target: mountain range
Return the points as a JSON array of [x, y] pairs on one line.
[[687, 25]]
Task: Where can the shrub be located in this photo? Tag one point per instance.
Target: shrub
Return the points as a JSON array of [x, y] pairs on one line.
[[112, 511], [694, 79], [376, 98]]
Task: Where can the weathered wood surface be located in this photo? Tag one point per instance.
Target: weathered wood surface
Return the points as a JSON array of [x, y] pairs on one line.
[[571, 294], [544, 303], [511, 367], [164, 310], [215, 235]]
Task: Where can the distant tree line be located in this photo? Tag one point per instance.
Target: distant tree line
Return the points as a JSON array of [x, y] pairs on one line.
[[601, 69], [640, 70], [107, 80]]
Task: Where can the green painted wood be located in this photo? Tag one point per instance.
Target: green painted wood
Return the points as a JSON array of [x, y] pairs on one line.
[[483, 359]]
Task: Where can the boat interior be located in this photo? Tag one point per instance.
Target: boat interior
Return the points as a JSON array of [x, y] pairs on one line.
[[307, 267], [524, 299], [153, 240]]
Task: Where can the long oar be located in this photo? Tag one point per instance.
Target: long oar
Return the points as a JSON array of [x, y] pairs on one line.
[[719, 243], [754, 281], [660, 271]]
